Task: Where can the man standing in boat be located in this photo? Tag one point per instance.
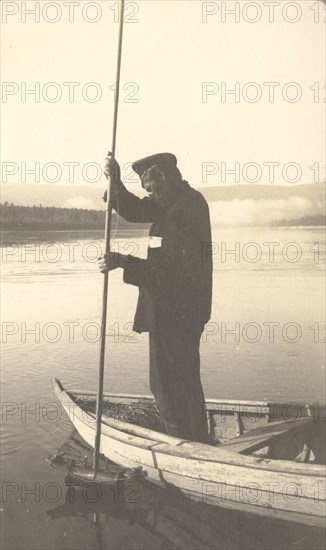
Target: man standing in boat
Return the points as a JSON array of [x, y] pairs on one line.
[[175, 286]]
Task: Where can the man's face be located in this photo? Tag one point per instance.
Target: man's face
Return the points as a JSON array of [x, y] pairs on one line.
[[158, 190]]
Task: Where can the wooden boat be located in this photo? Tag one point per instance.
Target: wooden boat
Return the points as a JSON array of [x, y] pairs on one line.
[[270, 460]]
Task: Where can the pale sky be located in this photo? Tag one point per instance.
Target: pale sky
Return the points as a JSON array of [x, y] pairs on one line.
[[169, 53]]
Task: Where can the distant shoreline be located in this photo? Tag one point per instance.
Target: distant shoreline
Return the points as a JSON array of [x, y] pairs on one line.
[[9, 228], [15, 226], [39, 218], [49, 218]]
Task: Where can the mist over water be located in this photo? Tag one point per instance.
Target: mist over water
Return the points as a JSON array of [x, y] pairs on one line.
[[265, 212]]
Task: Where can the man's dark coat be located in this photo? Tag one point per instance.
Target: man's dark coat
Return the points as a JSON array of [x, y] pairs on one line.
[[175, 282]]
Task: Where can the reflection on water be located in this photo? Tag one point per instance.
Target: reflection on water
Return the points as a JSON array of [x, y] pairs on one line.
[[264, 341], [166, 519], [138, 515]]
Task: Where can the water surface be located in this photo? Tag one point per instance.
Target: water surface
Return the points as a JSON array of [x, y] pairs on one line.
[[265, 341]]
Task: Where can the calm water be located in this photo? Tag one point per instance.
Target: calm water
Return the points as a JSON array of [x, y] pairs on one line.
[[265, 341]]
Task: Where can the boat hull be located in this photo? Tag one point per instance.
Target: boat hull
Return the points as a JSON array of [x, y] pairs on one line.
[[272, 488]]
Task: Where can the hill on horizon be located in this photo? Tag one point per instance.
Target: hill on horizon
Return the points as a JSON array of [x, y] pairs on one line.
[[229, 205], [311, 191], [85, 197]]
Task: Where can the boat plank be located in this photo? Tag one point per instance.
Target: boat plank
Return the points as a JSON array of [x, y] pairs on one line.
[[221, 406], [260, 437], [291, 487], [212, 497], [142, 432], [227, 493], [234, 495], [87, 393]]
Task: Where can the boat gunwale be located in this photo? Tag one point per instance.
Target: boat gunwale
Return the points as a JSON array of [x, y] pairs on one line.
[[209, 401], [195, 451]]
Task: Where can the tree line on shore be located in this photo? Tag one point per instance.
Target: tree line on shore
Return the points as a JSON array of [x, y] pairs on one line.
[[15, 217], [23, 218]]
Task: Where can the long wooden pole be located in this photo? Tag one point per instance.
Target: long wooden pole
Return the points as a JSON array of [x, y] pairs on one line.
[[108, 219]]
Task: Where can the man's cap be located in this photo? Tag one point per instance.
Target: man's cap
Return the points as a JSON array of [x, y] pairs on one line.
[[162, 159]]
